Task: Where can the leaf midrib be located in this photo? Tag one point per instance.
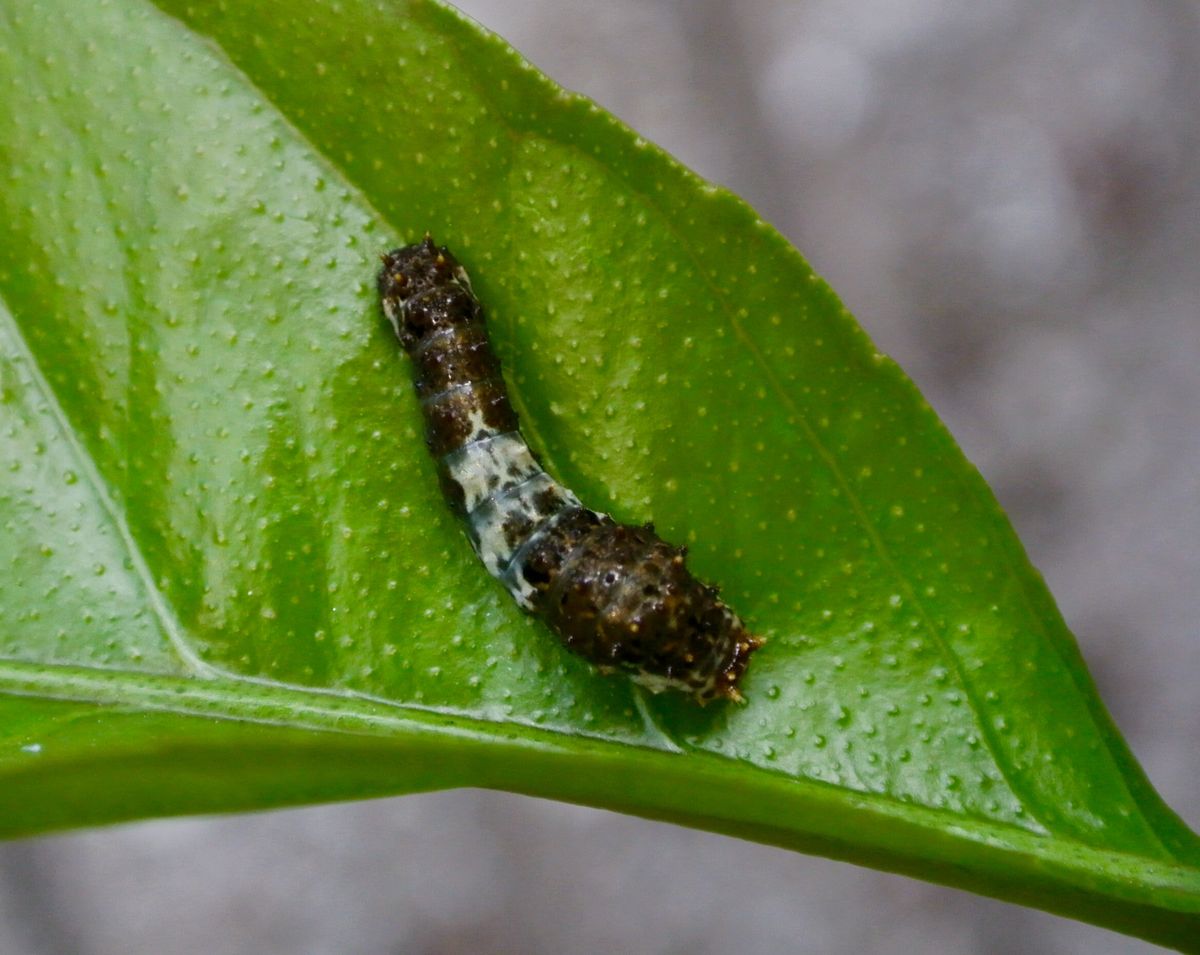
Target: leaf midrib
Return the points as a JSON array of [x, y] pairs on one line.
[[353, 716]]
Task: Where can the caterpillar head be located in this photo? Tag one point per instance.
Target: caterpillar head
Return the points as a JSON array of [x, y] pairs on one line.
[[423, 288]]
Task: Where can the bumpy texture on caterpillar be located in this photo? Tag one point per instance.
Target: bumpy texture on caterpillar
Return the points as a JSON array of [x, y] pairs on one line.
[[615, 594]]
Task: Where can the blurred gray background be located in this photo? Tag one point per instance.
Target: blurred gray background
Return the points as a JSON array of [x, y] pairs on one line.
[[1007, 195]]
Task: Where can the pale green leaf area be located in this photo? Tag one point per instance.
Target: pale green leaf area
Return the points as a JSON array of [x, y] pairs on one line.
[[230, 581]]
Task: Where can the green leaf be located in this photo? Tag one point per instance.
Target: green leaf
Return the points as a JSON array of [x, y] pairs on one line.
[[230, 580]]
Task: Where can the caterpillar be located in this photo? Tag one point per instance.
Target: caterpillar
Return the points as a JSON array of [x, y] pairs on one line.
[[615, 594]]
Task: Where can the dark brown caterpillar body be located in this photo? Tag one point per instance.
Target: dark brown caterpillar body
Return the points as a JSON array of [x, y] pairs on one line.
[[617, 595]]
